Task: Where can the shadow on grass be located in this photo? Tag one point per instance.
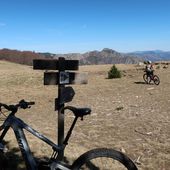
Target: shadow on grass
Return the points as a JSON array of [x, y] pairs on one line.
[[14, 160], [140, 82]]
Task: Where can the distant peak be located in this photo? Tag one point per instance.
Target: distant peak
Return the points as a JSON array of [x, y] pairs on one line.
[[108, 50]]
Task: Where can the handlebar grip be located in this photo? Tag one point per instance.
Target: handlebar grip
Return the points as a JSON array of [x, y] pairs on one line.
[[5, 106], [23, 104], [30, 103]]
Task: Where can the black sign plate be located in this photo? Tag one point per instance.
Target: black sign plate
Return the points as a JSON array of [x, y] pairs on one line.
[[54, 64]]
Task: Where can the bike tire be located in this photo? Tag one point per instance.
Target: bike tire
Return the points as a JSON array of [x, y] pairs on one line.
[[156, 80], [113, 160], [146, 78]]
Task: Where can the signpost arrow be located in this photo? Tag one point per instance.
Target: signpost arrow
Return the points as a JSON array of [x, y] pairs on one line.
[[64, 77]]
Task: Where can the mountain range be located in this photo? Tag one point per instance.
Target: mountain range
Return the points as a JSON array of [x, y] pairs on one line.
[[109, 56], [105, 56], [156, 55]]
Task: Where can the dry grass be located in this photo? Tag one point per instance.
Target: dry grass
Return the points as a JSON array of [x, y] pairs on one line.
[[127, 114]]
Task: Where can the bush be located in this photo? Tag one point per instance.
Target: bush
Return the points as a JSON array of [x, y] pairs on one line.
[[114, 73]]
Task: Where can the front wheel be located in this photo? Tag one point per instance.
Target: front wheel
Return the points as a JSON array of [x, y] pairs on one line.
[[103, 159], [156, 79], [147, 78]]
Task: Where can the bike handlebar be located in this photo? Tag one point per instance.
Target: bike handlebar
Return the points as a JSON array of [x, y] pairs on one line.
[[22, 104]]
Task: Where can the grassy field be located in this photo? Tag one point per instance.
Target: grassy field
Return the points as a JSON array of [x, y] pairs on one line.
[[127, 114]]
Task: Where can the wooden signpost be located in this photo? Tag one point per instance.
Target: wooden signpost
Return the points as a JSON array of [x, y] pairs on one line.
[[61, 78]]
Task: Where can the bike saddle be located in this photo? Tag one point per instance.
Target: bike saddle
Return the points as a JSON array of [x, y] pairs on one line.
[[78, 112]]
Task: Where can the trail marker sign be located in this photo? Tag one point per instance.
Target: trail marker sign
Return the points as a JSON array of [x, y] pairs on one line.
[[65, 78], [61, 78]]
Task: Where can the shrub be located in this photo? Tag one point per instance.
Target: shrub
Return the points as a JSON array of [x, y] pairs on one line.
[[114, 73], [158, 67]]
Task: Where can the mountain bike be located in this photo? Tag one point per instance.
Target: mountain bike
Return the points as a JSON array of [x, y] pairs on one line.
[[95, 159], [148, 78]]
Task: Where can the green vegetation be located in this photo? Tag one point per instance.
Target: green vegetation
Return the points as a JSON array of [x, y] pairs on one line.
[[114, 73]]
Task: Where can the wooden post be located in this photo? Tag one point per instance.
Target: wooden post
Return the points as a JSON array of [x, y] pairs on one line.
[[60, 111]]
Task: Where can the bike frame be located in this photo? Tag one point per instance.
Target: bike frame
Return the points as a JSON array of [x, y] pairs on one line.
[[18, 125]]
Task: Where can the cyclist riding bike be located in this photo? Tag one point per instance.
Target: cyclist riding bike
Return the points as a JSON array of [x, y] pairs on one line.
[[149, 68]]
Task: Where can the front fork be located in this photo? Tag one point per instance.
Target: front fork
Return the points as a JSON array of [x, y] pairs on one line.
[[3, 148]]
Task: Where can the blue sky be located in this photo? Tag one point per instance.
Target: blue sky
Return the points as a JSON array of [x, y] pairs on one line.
[[64, 26]]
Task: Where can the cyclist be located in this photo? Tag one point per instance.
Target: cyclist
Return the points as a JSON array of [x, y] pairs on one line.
[[149, 68]]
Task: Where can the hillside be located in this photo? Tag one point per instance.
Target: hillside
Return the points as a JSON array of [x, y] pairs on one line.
[[21, 57], [106, 56], [127, 114]]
